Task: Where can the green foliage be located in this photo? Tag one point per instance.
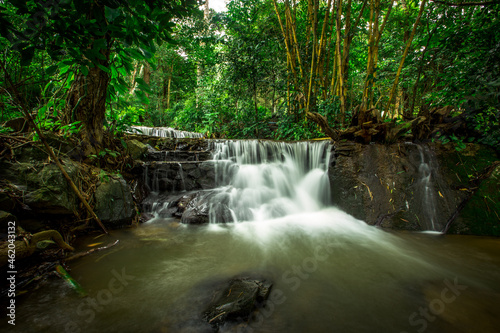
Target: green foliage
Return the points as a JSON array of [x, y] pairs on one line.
[[486, 124], [102, 155], [121, 121], [457, 141], [226, 75], [288, 129]]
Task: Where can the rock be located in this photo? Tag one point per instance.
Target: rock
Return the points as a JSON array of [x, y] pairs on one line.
[[48, 190], [237, 301], [480, 216], [136, 149], [204, 203], [114, 204], [383, 184]]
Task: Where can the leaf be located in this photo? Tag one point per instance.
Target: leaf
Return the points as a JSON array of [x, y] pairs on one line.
[[142, 97], [84, 70], [143, 85], [111, 13], [103, 68], [63, 69], [51, 70]]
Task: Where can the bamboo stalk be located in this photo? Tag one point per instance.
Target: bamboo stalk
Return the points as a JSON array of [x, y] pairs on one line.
[[405, 53]]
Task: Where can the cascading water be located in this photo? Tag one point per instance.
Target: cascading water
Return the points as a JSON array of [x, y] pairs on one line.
[[260, 180], [164, 132], [425, 188]]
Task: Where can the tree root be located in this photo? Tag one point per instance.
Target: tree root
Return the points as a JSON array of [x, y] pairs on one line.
[[25, 248]]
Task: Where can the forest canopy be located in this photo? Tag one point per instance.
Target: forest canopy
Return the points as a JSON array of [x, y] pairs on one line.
[[279, 69]]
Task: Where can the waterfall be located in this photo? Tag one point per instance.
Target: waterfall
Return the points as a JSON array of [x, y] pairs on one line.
[[425, 187], [164, 132], [262, 180]]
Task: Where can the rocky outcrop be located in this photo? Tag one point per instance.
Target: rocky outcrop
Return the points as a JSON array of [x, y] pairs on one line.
[[45, 190], [403, 186], [480, 214], [410, 187], [178, 176]]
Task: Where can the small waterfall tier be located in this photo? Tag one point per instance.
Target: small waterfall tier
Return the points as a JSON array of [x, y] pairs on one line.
[[164, 132], [260, 180], [247, 180]]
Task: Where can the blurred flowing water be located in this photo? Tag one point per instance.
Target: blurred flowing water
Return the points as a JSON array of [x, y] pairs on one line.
[[331, 272]]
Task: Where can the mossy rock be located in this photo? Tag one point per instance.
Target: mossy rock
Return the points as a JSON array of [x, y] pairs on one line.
[[114, 203], [481, 215]]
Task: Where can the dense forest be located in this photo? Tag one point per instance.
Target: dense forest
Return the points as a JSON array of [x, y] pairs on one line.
[[289, 70], [361, 192]]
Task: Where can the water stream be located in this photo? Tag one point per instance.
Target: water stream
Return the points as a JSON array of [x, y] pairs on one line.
[[164, 132], [331, 272]]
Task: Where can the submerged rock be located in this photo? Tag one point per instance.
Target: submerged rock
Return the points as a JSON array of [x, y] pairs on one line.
[[237, 301]]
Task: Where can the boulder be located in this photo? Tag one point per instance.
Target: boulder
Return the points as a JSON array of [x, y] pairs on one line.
[[49, 192], [415, 187], [136, 149], [237, 301], [481, 214], [114, 203]]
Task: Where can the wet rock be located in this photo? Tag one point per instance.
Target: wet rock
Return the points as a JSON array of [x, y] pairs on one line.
[[415, 187], [177, 176], [384, 185], [114, 204], [480, 215], [204, 203], [237, 301]]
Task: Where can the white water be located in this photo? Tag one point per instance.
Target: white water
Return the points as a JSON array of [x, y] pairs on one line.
[[263, 180], [164, 132], [425, 188]]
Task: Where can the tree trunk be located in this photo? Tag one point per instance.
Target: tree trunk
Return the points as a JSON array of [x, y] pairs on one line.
[[86, 102]]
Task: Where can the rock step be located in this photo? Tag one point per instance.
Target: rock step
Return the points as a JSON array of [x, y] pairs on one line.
[[173, 176], [180, 156]]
